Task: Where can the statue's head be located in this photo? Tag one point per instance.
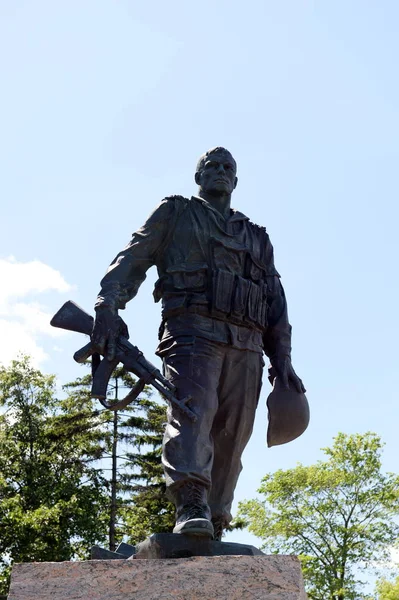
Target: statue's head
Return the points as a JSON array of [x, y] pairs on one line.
[[216, 172]]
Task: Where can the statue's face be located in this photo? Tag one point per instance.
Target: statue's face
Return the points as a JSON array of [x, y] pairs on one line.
[[218, 175]]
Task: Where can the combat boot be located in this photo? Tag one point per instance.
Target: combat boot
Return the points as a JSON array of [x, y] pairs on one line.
[[193, 515]]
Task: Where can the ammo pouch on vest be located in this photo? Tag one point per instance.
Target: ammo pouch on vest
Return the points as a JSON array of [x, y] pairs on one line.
[[240, 300]]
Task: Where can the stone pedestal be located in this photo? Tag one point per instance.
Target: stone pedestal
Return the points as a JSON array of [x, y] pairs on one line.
[[196, 578]]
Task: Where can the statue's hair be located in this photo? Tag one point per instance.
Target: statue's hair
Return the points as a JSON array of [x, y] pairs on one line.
[[217, 150]]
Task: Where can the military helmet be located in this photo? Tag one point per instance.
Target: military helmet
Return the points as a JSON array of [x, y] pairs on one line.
[[288, 414]]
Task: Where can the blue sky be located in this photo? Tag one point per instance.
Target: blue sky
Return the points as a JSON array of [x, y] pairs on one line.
[[105, 108]]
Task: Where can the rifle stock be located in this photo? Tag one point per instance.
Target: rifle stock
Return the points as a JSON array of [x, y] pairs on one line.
[[73, 318]]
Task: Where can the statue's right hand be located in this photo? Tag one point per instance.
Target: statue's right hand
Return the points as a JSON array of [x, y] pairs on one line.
[[108, 326]]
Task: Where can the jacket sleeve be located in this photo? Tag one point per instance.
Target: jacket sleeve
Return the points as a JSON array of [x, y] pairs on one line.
[[277, 338], [128, 269]]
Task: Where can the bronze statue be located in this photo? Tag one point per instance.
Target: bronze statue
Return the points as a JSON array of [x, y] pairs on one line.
[[222, 307]]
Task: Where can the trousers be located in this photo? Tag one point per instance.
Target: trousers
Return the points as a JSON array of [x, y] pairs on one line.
[[224, 384]]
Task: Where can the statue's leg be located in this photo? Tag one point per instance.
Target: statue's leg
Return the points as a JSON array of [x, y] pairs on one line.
[[195, 369], [240, 385]]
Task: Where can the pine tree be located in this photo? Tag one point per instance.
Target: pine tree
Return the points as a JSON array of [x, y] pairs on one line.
[[148, 511], [131, 443]]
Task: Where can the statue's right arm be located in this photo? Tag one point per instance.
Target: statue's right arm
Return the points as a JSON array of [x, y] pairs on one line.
[[128, 271]]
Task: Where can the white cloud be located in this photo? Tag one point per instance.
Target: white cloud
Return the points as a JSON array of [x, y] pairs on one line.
[[15, 339], [35, 318], [22, 279], [23, 320]]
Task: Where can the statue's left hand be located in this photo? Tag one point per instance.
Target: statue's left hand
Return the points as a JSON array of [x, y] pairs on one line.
[[282, 368]]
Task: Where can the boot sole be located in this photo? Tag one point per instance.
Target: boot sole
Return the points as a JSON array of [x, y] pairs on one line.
[[200, 527]]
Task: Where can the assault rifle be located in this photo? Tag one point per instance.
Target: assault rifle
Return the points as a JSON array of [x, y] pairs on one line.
[[73, 318]]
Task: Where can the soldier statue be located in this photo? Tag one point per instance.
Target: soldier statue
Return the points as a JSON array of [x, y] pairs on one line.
[[223, 306]]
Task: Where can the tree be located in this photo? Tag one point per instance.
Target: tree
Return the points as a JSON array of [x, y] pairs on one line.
[[52, 498], [57, 497], [131, 446], [388, 590], [149, 510], [337, 515]]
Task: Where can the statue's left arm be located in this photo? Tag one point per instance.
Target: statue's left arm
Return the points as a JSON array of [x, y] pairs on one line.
[[277, 338]]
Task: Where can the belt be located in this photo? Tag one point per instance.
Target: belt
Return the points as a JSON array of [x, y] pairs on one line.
[[203, 311]]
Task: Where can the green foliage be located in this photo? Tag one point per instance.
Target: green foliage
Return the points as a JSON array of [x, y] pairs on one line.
[[51, 498], [132, 442], [149, 511], [388, 590], [73, 474], [337, 515]]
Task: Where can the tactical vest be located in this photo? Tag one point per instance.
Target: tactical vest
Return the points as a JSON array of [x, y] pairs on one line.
[[214, 267]]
